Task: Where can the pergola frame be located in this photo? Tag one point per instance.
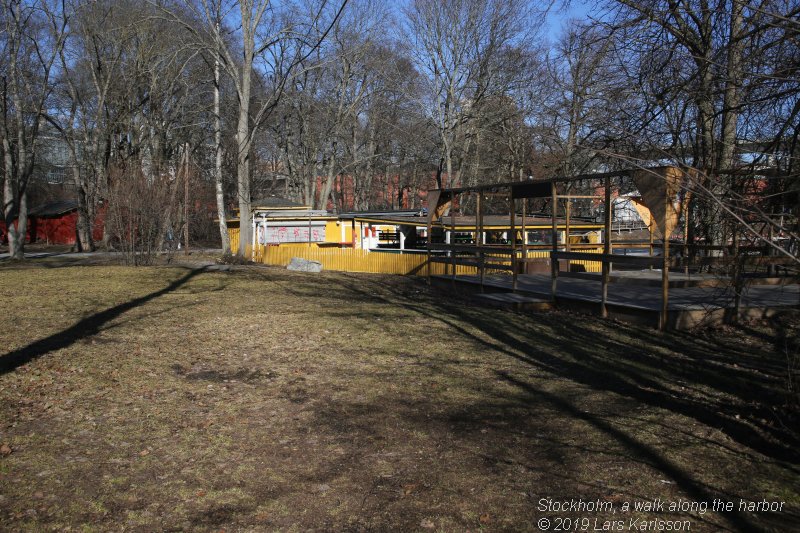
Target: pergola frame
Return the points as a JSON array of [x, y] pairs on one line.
[[660, 186]]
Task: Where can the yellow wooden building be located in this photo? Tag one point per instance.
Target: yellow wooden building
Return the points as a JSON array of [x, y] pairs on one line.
[[390, 242]]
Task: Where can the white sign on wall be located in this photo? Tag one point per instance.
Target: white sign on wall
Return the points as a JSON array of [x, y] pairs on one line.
[[291, 233]]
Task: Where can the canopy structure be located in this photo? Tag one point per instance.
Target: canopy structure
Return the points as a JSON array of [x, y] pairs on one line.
[[659, 194], [659, 188]]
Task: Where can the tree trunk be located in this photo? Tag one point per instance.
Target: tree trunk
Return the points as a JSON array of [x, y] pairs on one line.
[[83, 226], [322, 203], [730, 106], [243, 161], [220, 193], [11, 206]]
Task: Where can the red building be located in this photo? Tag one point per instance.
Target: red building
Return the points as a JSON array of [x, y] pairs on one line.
[[56, 223]]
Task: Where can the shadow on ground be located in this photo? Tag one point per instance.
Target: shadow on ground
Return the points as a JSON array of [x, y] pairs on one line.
[[710, 384], [84, 328]]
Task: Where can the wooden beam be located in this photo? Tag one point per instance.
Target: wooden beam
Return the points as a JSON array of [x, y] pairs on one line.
[[430, 229], [567, 210], [630, 260], [662, 323], [452, 242], [606, 247], [524, 235], [439, 201], [531, 190], [737, 277], [512, 208], [471, 262], [479, 240], [687, 199], [554, 233]]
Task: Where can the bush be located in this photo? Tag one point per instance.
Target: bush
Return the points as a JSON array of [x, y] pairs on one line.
[[142, 210]]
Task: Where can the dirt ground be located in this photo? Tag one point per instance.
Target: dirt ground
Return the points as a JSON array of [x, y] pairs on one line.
[[181, 398]]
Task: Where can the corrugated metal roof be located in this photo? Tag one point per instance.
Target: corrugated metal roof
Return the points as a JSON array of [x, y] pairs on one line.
[[383, 214], [505, 220], [471, 222], [295, 213], [53, 209]]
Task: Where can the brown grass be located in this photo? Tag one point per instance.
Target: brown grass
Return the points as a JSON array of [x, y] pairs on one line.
[[166, 398]]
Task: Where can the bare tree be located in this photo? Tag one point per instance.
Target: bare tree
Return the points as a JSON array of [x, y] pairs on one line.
[[349, 80], [33, 35], [456, 45], [219, 188], [727, 59], [270, 41]]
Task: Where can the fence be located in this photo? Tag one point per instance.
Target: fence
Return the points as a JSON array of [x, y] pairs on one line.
[[350, 260], [357, 260], [233, 233]]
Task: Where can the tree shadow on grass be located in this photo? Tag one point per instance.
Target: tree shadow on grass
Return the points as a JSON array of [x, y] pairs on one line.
[[84, 328], [736, 389], [493, 439], [728, 389], [692, 382]]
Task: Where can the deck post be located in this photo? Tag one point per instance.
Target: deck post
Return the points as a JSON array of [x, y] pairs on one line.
[[524, 237], [479, 240], [567, 247], [554, 238], [737, 277], [686, 199], [662, 323], [771, 271], [512, 209], [430, 230], [606, 248], [452, 241]]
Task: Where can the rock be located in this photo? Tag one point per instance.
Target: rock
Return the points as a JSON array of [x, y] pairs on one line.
[[304, 265], [216, 268]]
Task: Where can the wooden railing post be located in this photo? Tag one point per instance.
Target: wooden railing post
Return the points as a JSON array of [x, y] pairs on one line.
[[513, 214], [567, 247], [524, 237], [430, 243], [554, 238], [606, 248], [479, 240], [662, 323]]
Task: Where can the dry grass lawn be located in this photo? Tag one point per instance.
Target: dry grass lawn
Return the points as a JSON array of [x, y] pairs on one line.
[[175, 399]]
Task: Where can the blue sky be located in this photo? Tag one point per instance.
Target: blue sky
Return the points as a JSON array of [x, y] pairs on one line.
[[578, 9]]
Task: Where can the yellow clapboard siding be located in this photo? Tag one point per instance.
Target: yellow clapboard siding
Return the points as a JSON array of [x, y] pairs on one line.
[[233, 234], [357, 260], [354, 260]]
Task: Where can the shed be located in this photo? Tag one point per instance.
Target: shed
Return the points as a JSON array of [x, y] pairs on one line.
[[56, 223]]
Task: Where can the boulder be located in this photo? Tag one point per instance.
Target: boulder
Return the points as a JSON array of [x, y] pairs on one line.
[[304, 265]]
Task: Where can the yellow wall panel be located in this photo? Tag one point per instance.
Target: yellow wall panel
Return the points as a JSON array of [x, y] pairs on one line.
[[357, 260]]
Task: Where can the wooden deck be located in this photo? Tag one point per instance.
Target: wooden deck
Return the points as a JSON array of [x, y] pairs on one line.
[[641, 302]]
